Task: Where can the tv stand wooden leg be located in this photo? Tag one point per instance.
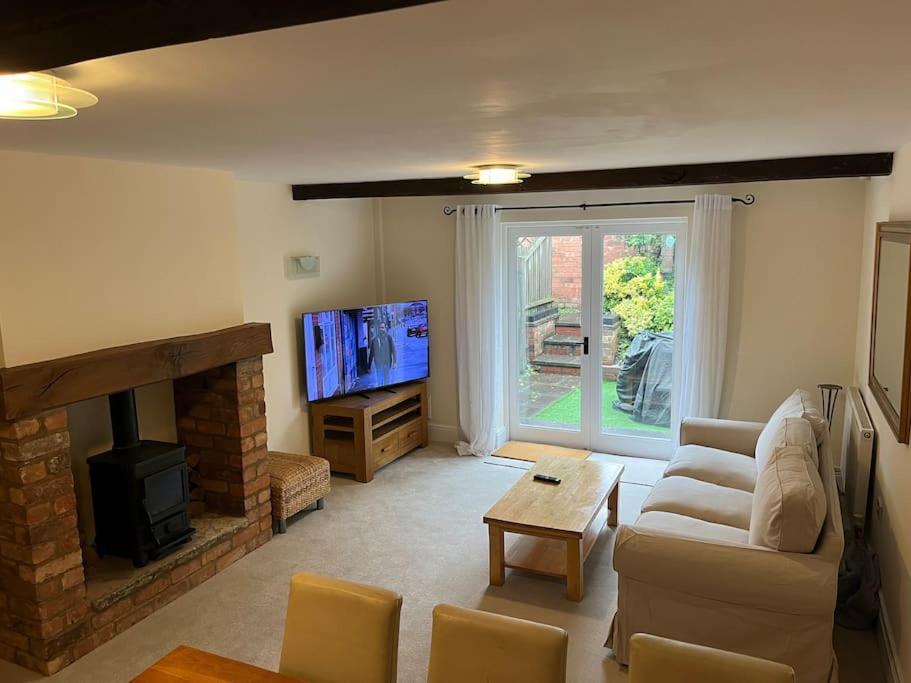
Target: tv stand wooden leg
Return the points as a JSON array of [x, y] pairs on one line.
[[497, 558]]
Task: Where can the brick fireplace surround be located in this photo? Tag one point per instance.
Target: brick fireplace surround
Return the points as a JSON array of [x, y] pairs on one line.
[[47, 621]]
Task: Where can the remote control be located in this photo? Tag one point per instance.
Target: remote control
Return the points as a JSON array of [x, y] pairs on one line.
[[547, 478]]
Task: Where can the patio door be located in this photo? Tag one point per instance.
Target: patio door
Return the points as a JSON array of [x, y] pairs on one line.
[[592, 308]]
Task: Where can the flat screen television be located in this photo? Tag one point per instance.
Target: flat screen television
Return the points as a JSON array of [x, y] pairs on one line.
[[353, 350]]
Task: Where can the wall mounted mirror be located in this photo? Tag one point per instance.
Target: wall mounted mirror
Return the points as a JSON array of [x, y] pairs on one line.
[[890, 341]]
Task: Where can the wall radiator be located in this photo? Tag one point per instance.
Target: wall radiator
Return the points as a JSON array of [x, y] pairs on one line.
[[856, 471]]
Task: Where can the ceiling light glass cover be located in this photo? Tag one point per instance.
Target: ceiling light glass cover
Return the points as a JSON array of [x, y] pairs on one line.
[[39, 96], [497, 174]]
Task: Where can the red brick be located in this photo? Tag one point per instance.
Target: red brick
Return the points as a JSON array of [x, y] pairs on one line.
[[153, 589], [112, 613], [249, 428], [216, 552], [29, 474], [201, 410], [59, 463], [214, 485], [198, 440], [73, 577], [180, 572], [230, 558], [44, 446], [65, 503], [50, 569], [172, 593], [38, 513], [207, 572], [242, 537], [209, 427], [133, 617], [259, 483], [55, 420], [187, 423]]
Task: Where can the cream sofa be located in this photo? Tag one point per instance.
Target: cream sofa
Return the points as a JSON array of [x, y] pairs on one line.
[[691, 568]]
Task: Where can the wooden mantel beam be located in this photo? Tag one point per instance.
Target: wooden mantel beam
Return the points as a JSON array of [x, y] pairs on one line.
[[798, 168], [44, 35], [30, 389]]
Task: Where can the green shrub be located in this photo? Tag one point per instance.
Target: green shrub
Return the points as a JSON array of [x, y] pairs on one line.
[[639, 295]]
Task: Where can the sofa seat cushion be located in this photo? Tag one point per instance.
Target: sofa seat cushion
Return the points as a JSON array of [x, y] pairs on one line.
[[702, 500], [789, 503], [681, 525], [714, 466]]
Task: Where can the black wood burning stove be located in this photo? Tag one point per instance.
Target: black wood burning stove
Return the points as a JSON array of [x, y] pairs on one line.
[[140, 491]]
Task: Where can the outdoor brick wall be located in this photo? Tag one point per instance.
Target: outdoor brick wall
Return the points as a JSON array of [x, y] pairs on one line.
[[566, 269], [535, 334], [46, 622]]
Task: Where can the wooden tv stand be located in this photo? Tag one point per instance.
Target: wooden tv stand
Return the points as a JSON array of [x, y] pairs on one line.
[[360, 433]]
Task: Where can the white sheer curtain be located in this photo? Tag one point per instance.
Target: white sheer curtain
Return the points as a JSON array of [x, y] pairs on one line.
[[479, 292], [704, 321]]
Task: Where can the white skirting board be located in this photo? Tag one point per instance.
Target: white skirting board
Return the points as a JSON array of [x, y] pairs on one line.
[[887, 643], [443, 433]]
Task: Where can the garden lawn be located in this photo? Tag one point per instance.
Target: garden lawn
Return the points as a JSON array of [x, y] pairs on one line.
[[567, 409]]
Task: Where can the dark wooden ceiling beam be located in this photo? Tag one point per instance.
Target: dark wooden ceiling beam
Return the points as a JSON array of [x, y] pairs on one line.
[[30, 389], [799, 168], [44, 35]]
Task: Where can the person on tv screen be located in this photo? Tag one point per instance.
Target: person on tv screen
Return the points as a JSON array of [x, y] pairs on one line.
[[382, 354]]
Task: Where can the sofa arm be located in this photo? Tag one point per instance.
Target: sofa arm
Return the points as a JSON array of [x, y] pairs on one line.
[[726, 435], [740, 574]]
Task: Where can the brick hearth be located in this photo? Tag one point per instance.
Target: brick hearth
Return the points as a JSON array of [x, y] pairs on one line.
[[48, 618]]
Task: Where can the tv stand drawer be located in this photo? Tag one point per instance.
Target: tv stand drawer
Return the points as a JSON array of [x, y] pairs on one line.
[[411, 437], [385, 449]]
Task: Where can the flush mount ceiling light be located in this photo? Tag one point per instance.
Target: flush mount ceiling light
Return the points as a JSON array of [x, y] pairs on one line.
[[497, 174], [39, 97]]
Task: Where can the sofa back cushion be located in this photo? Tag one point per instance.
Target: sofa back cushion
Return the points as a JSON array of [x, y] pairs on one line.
[[785, 431], [801, 404], [789, 502]]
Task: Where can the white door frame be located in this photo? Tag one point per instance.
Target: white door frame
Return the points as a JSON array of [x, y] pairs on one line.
[[517, 431], [592, 233]]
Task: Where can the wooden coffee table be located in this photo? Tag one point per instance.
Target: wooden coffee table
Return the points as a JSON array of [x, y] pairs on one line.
[[560, 524]]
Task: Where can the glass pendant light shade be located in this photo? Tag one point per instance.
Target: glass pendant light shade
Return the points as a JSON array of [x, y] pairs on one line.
[[39, 96], [497, 174]]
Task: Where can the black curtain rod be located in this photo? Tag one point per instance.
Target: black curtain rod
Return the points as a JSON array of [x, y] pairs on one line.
[[746, 199]]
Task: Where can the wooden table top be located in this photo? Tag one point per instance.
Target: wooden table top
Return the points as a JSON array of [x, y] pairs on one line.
[[189, 664], [567, 508]]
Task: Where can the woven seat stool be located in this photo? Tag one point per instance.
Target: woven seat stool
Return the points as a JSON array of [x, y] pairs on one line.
[[298, 481]]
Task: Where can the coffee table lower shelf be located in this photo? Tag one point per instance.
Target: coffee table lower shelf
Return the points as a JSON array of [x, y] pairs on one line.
[[548, 554]]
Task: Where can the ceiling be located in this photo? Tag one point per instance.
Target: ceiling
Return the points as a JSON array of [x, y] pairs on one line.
[[556, 86]]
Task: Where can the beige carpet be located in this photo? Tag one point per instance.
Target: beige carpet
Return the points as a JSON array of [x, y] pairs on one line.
[[415, 529], [522, 450]]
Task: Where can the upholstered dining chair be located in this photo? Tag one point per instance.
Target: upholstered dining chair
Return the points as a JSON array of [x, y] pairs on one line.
[[661, 660], [469, 645], [338, 631]]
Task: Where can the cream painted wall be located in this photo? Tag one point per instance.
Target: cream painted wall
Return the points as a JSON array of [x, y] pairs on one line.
[[794, 264], [271, 226], [888, 199], [98, 253]]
